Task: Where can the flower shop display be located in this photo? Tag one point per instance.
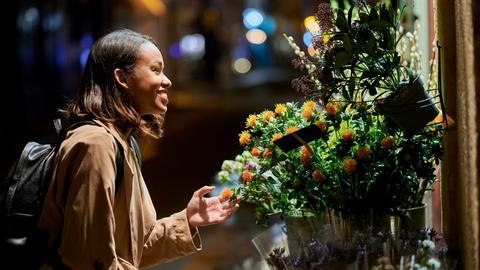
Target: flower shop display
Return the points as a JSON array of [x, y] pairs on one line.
[[346, 167], [360, 161]]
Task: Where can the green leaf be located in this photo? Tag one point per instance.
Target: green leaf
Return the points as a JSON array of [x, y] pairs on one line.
[[373, 14], [371, 44], [341, 21], [345, 93], [342, 58], [350, 13], [351, 86], [347, 44]]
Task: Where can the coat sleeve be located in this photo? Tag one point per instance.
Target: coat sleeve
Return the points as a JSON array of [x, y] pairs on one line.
[[170, 238], [87, 239]]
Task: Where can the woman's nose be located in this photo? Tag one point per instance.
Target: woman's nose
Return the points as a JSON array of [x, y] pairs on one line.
[[166, 83]]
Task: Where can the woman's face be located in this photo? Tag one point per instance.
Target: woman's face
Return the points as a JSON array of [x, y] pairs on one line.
[[148, 83]]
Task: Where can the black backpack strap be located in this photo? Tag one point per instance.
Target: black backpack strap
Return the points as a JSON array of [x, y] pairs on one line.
[[119, 163]]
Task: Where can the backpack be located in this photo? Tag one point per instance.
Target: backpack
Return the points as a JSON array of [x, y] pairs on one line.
[[23, 191]]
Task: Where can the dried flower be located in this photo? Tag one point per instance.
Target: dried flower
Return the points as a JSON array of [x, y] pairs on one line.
[[363, 152], [349, 165], [387, 142]]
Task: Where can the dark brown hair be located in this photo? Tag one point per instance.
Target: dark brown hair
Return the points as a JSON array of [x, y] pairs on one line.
[[100, 97]]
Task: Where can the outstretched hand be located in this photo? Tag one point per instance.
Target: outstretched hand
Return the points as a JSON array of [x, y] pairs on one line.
[[203, 211]]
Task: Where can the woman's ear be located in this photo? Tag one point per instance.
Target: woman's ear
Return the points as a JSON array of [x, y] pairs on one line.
[[121, 77]]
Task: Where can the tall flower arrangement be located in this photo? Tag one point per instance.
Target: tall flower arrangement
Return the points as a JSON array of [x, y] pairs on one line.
[[360, 157]]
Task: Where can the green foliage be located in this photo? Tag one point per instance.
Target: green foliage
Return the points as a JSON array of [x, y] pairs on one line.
[[361, 161]]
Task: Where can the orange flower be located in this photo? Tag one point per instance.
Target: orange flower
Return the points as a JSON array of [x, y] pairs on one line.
[[267, 115], [244, 137], [280, 108], [387, 142], [247, 176], [291, 130], [251, 120], [348, 134], [255, 152], [226, 194], [307, 113], [267, 152], [318, 176], [349, 165], [363, 152], [321, 125], [305, 156], [332, 108], [276, 136]]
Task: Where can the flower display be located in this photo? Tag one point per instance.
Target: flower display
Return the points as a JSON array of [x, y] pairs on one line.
[[359, 161], [355, 156]]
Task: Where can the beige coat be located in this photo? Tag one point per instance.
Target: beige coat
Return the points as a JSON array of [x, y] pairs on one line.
[[101, 229]]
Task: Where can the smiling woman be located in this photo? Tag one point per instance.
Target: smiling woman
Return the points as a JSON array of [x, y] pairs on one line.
[[92, 220]]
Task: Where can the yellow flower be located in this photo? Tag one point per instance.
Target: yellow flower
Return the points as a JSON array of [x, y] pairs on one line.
[[280, 108], [267, 115], [276, 136], [309, 104], [348, 134], [244, 137], [291, 130], [251, 120]]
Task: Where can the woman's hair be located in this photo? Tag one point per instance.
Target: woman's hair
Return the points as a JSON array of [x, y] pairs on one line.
[[100, 97]]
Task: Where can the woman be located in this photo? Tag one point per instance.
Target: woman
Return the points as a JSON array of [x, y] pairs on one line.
[[91, 222]]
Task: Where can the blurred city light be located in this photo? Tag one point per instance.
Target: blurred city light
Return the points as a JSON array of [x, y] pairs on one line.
[[252, 18], [256, 36], [241, 65], [174, 50], [193, 46], [269, 25], [307, 38]]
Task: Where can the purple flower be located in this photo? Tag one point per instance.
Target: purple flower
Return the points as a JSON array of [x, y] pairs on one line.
[[324, 17]]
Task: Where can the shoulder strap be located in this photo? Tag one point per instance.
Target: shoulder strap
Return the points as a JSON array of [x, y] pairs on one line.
[[119, 163]]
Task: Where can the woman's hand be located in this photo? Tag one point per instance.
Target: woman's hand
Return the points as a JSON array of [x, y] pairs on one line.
[[206, 211]]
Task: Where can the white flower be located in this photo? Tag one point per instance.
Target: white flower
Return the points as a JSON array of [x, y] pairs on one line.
[[428, 244], [223, 176], [434, 263]]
